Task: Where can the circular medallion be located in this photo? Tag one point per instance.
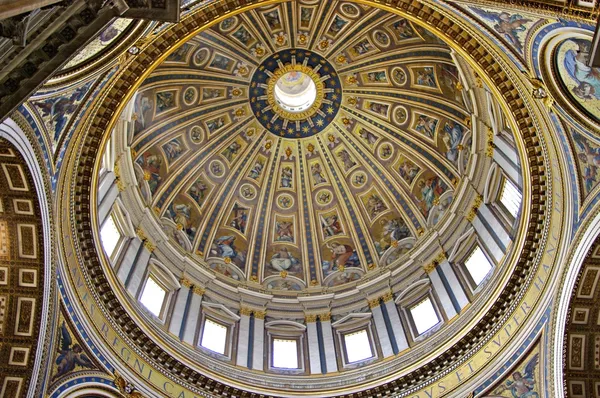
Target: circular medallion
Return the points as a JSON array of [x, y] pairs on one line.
[[358, 179], [386, 150], [201, 56], [217, 169], [295, 94], [196, 134], [324, 197], [228, 24], [285, 201], [190, 95], [247, 192]]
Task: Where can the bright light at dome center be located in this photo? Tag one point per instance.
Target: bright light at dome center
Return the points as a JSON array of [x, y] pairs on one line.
[[295, 91]]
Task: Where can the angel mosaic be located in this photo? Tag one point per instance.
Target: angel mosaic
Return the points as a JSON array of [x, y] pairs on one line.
[[361, 48], [231, 152], [426, 77], [523, 383], [243, 36], [346, 159], [453, 135], [222, 62], [165, 100], [377, 77], [510, 26], [151, 164], [367, 136], [70, 355], [430, 191], [284, 231], [283, 260], [257, 169], [239, 218], [181, 214], [426, 125], [215, 124], [375, 205], [331, 225], [402, 29], [376, 107], [211, 93], [576, 64], [305, 16], [286, 177], [317, 174], [341, 255], [337, 25], [408, 170], [392, 230], [173, 150], [224, 247], [589, 158], [198, 191], [272, 18]]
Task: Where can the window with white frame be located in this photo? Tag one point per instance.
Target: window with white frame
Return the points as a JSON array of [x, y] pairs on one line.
[[424, 315], [110, 235], [510, 197], [478, 265], [358, 346], [214, 336], [153, 296], [285, 353]]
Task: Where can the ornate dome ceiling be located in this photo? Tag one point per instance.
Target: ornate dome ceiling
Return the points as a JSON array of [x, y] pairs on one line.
[[302, 145]]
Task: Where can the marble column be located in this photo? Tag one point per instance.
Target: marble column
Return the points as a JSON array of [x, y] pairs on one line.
[[181, 299], [243, 336], [314, 355], [448, 302], [134, 280], [384, 338], [328, 343], [192, 316], [456, 289], [259, 340], [392, 311]]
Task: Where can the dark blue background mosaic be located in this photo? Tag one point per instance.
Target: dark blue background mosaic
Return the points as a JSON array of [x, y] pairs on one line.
[[329, 107]]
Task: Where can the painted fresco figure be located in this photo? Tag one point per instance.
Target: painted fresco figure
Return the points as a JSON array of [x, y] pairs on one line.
[[590, 157], [453, 135], [286, 177], [342, 255], [426, 125], [523, 384], [588, 78], [317, 174], [70, 355], [224, 246], [508, 25], [284, 231], [346, 159], [282, 260]]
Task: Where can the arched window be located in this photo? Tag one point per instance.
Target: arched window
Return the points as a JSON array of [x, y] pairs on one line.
[[110, 235], [358, 346], [424, 315], [478, 265], [214, 336]]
